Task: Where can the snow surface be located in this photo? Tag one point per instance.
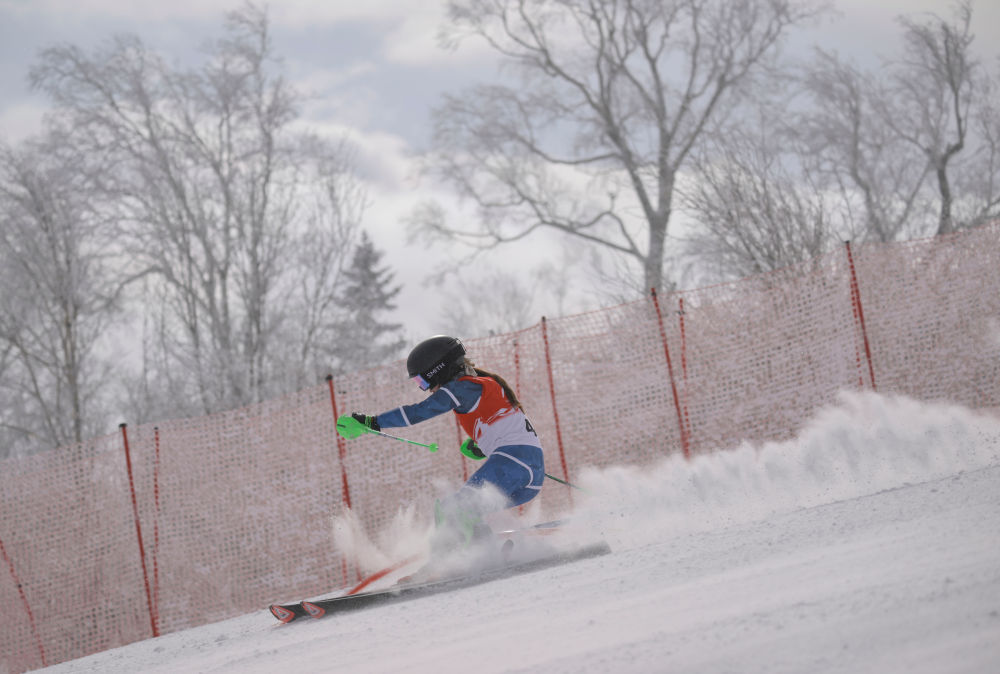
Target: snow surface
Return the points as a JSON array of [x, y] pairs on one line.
[[869, 543]]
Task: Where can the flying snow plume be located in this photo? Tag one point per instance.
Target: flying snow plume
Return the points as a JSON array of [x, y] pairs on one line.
[[404, 536], [409, 534], [864, 444]]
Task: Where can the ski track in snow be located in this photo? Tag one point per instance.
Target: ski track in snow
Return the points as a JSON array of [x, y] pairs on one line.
[[869, 543]]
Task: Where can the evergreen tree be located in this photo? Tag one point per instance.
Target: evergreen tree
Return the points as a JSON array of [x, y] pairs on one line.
[[363, 340]]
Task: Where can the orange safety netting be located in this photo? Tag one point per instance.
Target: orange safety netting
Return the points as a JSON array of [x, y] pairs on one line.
[[233, 510]]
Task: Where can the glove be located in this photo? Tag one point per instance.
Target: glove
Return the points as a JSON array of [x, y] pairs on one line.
[[471, 450], [355, 424]]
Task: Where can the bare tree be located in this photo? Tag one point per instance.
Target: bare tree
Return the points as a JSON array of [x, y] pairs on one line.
[[324, 248], [979, 176], [914, 139], [754, 213], [852, 150], [905, 151], [57, 297], [505, 307], [213, 190], [930, 95], [612, 99]]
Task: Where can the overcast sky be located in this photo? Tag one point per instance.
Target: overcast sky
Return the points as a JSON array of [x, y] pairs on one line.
[[375, 70]]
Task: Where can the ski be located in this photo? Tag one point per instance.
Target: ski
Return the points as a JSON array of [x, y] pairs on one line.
[[286, 613], [349, 602], [549, 527]]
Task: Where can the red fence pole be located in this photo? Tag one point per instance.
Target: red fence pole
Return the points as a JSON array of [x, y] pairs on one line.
[[670, 373], [342, 455], [859, 313], [684, 370], [24, 600], [517, 392], [156, 522], [517, 369], [555, 410], [138, 534]]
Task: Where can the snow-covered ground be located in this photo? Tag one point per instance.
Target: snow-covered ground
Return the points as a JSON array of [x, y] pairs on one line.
[[869, 543]]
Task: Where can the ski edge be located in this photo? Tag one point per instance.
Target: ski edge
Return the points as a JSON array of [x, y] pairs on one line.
[[549, 527], [322, 607]]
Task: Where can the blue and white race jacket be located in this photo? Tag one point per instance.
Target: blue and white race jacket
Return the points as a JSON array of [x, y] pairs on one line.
[[482, 408]]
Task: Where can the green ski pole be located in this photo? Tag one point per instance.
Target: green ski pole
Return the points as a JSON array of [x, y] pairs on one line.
[[433, 446], [553, 477]]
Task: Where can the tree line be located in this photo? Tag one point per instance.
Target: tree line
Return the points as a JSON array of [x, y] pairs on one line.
[[175, 244], [679, 137], [172, 244]]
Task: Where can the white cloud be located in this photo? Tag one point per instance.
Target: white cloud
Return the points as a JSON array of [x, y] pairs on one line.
[[302, 13], [383, 159], [869, 30], [141, 10], [341, 93], [414, 41], [290, 13], [318, 79], [20, 120]]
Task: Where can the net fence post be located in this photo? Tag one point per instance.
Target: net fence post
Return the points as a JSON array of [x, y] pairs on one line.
[[859, 313], [345, 487], [555, 409], [156, 522], [684, 372], [138, 532], [24, 601], [685, 446]]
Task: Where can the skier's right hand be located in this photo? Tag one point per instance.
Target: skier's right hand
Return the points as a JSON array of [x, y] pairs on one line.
[[355, 424]]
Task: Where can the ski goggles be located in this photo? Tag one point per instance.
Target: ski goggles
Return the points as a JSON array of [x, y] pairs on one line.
[[421, 382]]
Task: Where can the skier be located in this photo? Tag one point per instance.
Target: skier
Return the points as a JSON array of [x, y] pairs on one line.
[[490, 413]]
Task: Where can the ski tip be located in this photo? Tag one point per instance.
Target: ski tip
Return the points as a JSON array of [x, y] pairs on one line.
[[313, 610], [281, 613]]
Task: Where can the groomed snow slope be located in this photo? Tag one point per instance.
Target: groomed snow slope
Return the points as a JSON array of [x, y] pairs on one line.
[[869, 543]]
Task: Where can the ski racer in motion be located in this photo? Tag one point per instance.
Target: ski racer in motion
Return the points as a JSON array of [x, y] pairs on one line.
[[499, 432]]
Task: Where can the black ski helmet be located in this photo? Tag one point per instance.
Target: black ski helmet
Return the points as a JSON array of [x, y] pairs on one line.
[[435, 360]]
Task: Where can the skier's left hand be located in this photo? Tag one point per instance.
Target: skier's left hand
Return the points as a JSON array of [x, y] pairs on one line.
[[471, 450], [355, 424]]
